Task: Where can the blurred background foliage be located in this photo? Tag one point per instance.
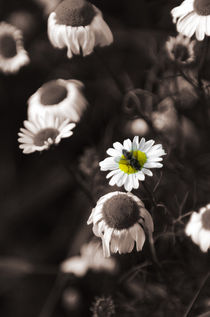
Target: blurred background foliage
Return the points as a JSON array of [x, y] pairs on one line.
[[43, 212]]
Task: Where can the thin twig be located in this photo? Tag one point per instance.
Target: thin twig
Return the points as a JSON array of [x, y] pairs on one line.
[[53, 297], [192, 303]]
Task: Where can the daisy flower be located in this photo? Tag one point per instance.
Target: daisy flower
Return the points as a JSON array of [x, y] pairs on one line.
[[180, 49], [165, 119], [48, 5], [131, 161], [60, 98], [40, 134], [79, 26], [12, 54], [91, 258], [193, 17], [120, 220], [198, 228]]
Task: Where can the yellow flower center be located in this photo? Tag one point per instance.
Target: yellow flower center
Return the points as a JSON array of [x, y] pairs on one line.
[[130, 166], [206, 219], [202, 7]]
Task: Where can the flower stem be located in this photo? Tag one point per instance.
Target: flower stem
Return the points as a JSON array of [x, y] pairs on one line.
[[194, 299], [150, 194], [153, 251], [183, 216], [108, 69], [76, 176], [53, 297]]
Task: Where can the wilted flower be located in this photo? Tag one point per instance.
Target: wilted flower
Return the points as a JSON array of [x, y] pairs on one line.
[[120, 220], [12, 53], [60, 98], [193, 16], [131, 161], [72, 299], [165, 119], [103, 307], [40, 134], [91, 259], [180, 49], [198, 228], [48, 5], [79, 26], [137, 127]]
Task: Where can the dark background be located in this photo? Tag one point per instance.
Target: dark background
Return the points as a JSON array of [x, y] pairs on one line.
[[43, 212]]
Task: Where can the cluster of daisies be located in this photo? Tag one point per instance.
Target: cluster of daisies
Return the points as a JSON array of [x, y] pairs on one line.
[[58, 105], [119, 218]]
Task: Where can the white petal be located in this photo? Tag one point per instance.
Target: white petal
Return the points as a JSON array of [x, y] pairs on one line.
[[137, 233]]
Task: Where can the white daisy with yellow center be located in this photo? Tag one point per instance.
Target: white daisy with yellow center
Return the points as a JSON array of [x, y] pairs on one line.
[[12, 53], [40, 134], [180, 49], [91, 258], [198, 228], [120, 219], [131, 161], [193, 17], [79, 26], [60, 98]]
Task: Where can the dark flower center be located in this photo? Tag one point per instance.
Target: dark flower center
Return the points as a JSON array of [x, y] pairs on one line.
[[52, 93], [7, 46], [103, 307], [206, 219], [75, 13], [202, 7], [180, 53], [120, 212], [43, 135]]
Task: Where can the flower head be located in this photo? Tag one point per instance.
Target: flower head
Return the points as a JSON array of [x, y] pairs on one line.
[[12, 54], [180, 49], [193, 17], [79, 26], [40, 134], [60, 98], [120, 220], [165, 119], [131, 161], [48, 5], [103, 307], [199, 228], [91, 258]]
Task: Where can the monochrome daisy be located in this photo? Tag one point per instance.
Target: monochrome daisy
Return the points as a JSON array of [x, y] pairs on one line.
[[193, 17], [131, 161], [180, 49], [40, 134], [60, 98], [198, 228], [120, 220], [79, 26], [91, 258], [48, 5], [12, 53]]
